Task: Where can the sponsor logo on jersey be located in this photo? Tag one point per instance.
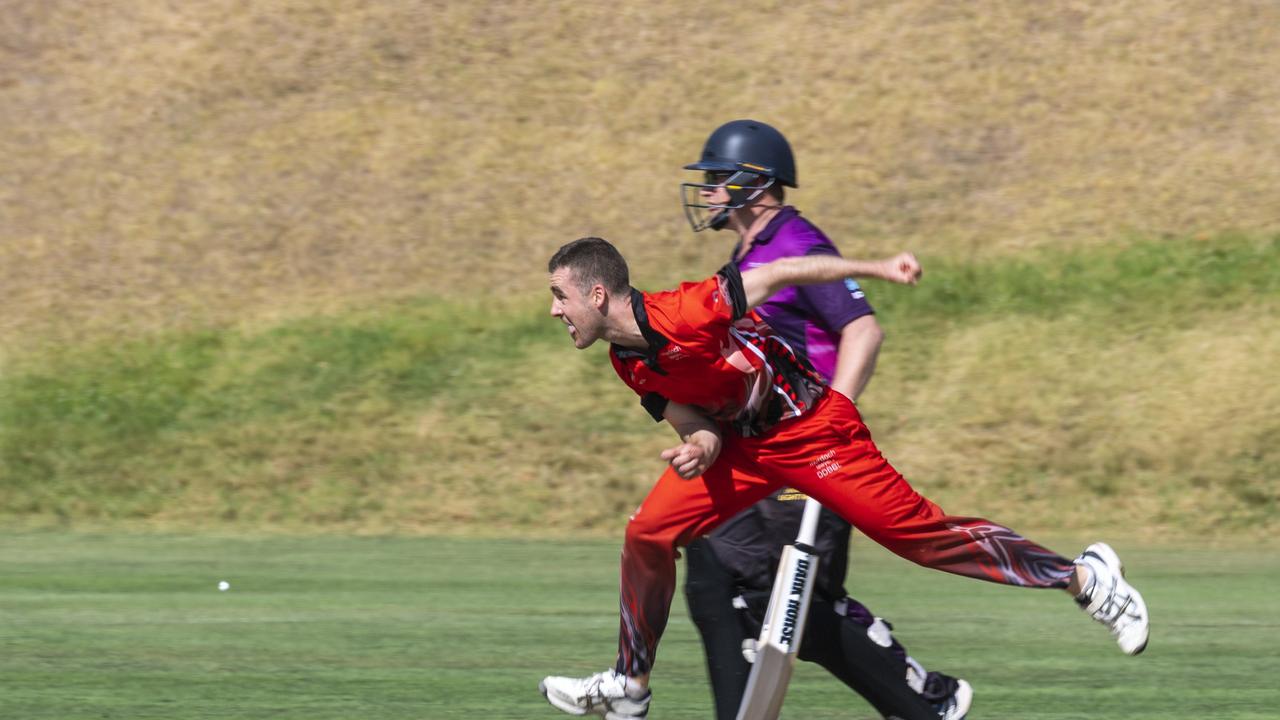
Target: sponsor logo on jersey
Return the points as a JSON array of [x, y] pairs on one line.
[[854, 289], [826, 464]]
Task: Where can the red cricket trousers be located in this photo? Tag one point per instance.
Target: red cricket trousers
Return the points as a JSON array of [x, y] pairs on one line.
[[828, 454]]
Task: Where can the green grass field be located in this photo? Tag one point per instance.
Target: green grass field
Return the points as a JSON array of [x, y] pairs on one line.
[[132, 626]]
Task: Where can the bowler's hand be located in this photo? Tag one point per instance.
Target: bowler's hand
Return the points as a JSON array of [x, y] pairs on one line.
[[903, 268], [692, 458]]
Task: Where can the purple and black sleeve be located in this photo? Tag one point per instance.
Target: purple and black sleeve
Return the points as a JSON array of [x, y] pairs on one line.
[[834, 304]]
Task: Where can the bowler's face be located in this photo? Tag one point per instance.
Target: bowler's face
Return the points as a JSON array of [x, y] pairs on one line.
[[574, 309]]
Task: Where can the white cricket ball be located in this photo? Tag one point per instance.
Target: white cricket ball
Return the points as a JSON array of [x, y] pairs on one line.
[[224, 586]]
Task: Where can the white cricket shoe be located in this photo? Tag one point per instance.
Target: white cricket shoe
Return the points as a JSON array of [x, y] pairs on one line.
[[956, 706], [1111, 600], [604, 694]]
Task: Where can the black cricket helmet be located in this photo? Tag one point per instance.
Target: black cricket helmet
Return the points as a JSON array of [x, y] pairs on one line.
[[736, 156]]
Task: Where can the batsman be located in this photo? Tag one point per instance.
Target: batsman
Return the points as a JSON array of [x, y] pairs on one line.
[[752, 416], [730, 573]]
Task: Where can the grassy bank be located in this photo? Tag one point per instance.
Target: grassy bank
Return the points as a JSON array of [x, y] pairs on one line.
[[118, 626], [174, 164], [1130, 386]]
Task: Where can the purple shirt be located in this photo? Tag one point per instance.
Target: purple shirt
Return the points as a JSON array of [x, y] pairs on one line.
[[809, 318]]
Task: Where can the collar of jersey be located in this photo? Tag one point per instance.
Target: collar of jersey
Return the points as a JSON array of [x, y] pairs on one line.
[[786, 213], [770, 229], [655, 339]]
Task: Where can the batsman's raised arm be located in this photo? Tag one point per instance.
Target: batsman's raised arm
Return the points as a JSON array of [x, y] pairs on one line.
[[765, 281]]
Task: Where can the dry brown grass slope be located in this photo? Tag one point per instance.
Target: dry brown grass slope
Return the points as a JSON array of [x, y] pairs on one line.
[[181, 163]]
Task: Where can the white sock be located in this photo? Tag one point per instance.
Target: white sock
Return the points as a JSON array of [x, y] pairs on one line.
[[634, 690], [1086, 590]]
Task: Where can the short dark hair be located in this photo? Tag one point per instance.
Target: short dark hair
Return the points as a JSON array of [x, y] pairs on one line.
[[593, 260]]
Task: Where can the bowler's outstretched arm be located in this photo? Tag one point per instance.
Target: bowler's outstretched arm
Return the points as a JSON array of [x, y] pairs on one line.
[[761, 283]]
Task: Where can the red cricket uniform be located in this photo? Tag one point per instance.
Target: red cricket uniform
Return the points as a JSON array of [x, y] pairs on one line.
[[781, 428]]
